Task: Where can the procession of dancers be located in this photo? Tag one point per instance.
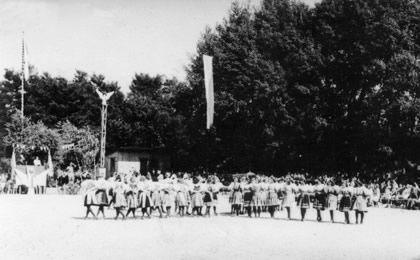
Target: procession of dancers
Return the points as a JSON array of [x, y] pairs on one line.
[[198, 196]]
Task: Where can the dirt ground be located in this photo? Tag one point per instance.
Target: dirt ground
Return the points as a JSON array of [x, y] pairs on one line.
[[52, 227]]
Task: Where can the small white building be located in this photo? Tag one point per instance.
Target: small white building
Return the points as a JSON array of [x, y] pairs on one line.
[[137, 159]]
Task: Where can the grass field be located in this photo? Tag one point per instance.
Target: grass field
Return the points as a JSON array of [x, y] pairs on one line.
[[52, 227]]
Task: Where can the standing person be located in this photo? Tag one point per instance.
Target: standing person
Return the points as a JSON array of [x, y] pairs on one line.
[[345, 202], [65, 181], [264, 189], [257, 197], [89, 198], [376, 194], [59, 181], [215, 189], [304, 198], [37, 162], [158, 195], [207, 196], [70, 172], [145, 202], [101, 196], [289, 196], [280, 184], [169, 197], [118, 199], [131, 195], [331, 190], [189, 186], [247, 195], [181, 200], [236, 189], [319, 199], [360, 204], [413, 199], [196, 197], [272, 197]]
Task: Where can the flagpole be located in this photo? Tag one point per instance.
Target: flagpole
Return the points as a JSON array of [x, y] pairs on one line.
[[23, 76]]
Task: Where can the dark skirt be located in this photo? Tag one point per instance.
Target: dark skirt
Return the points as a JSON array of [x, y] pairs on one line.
[[319, 201], [89, 199], [101, 198], [207, 197], [304, 201], [144, 200], [345, 203], [248, 198]]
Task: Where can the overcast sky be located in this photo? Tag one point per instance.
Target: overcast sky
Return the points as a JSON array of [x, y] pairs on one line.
[[116, 38]]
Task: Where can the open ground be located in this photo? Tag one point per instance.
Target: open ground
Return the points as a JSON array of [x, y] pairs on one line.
[[52, 227]]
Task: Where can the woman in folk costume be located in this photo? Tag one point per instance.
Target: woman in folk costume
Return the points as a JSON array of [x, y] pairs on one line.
[[216, 185], [181, 199], [207, 196], [331, 190], [319, 199], [413, 199], [280, 184], [360, 203], [272, 197], [236, 189], [257, 197], [145, 202], [118, 199], [158, 195], [376, 195], [247, 195], [169, 196], [131, 195], [304, 198], [197, 197], [89, 199], [101, 195], [264, 189], [289, 191], [189, 186], [345, 202]]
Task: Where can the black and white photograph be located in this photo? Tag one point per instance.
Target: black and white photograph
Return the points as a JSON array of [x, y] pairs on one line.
[[209, 129]]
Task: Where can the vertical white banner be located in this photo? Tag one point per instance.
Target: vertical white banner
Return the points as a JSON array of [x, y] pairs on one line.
[[208, 82]]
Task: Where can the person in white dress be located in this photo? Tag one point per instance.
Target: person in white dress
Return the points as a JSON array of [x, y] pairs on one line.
[[289, 191], [215, 189]]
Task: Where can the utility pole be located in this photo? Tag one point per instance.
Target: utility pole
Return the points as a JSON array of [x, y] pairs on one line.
[[104, 97]]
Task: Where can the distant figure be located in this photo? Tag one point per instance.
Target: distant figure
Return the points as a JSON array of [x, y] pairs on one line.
[[22, 160], [70, 171], [37, 162]]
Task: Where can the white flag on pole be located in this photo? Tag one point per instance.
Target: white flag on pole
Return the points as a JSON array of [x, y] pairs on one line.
[[208, 81]]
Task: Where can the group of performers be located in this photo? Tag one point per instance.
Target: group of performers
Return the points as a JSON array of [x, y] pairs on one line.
[[272, 194], [186, 196]]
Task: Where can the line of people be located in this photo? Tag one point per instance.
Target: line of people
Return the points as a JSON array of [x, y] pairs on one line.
[[252, 196], [257, 195], [185, 196]]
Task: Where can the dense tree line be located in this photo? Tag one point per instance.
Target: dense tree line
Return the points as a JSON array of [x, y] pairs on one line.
[[334, 87]]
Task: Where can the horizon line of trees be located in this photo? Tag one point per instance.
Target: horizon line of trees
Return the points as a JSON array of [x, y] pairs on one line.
[[329, 88]]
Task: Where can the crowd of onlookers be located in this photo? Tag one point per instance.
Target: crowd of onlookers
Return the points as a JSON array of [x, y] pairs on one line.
[[392, 189]]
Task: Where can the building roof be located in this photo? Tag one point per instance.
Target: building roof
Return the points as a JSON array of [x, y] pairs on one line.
[[136, 149]]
